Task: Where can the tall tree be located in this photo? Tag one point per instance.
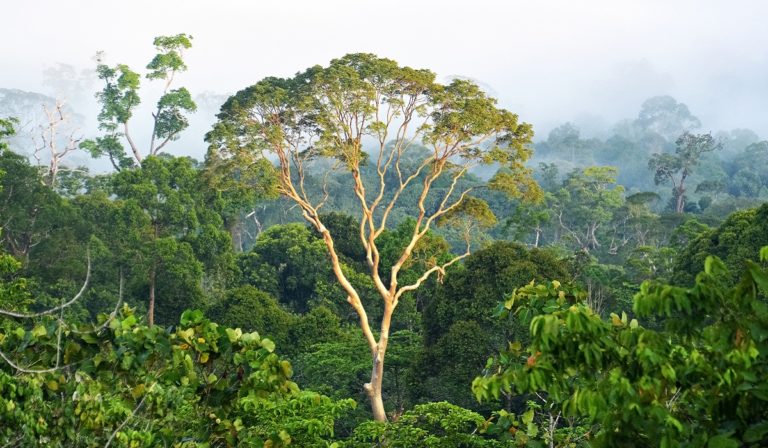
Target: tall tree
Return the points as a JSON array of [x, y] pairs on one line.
[[120, 97], [329, 112], [748, 171], [676, 168], [166, 191], [587, 200], [664, 116]]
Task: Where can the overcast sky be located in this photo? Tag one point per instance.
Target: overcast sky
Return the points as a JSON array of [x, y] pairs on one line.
[[549, 61]]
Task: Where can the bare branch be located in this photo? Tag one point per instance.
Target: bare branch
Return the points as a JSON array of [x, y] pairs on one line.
[[437, 268], [56, 308], [25, 370]]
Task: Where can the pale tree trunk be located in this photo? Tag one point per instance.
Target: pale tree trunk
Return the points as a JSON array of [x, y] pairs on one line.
[[134, 148], [378, 348], [680, 200], [374, 387], [49, 136], [291, 155], [680, 193]]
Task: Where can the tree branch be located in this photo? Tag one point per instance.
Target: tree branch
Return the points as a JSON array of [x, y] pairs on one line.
[[134, 148], [133, 414], [56, 308], [437, 268]]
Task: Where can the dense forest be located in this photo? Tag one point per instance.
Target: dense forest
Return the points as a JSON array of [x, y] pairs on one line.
[[369, 257]]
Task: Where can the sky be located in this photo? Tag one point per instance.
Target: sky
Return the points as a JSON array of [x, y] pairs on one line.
[[591, 61]]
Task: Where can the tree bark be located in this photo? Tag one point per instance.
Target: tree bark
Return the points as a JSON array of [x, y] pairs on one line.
[[680, 200], [680, 192], [374, 387], [151, 311]]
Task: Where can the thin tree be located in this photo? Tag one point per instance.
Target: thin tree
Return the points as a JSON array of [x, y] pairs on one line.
[[51, 143], [120, 97], [330, 113]]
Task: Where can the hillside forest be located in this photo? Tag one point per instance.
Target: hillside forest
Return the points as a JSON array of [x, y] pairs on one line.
[[366, 256]]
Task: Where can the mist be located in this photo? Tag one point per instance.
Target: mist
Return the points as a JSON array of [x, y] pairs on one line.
[[589, 63]]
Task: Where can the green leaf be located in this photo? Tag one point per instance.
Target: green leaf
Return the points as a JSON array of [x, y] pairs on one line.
[[138, 391], [756, 432], [759, 275], [233, 334], [128, 322], [722, 441], [89, 338], [527, 417], [127, 362], [191, 317], [268, 345]]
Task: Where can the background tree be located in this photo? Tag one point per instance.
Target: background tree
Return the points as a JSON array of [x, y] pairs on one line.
[[664, 116], [565, 144], [49, 143], [30, 211], [330, 112], [586, 202], [748, 171], [675, 168]]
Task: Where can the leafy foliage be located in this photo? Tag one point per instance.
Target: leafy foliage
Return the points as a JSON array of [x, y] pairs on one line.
[[124, 382], [438, 425], [690, 384], [737, 239], [120, 97]]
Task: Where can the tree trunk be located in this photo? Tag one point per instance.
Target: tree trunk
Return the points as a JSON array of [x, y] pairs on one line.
[[151, 311], [235, 228], [680, 194], [373, 388], [680, 201]]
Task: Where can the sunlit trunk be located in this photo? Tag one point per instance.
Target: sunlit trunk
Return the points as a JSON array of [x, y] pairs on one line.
[[373, 388]]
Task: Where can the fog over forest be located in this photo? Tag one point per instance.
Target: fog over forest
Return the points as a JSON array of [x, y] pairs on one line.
[[356, 224], [552, 62]]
